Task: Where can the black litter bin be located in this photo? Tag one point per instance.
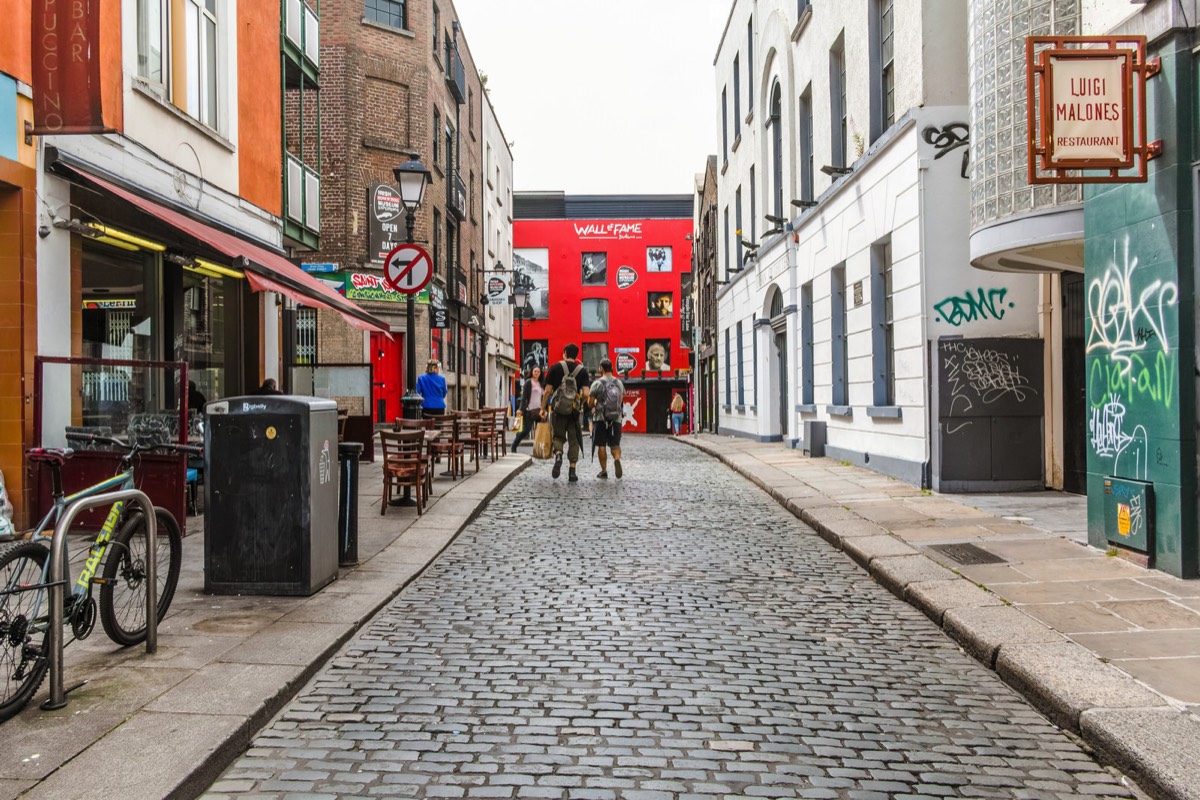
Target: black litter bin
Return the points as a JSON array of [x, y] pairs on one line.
[[271, 503], [348, 455]]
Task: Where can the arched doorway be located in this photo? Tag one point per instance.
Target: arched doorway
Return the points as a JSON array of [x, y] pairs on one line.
[[778, 367]]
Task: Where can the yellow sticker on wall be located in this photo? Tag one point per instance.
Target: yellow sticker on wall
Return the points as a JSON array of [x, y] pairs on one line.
[[271, 435], [1122, 519]]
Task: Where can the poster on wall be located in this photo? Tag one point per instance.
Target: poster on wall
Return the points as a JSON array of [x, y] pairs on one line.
[[594, 269], [658, 259], [658, 355], [633, 416], [535, 353], [626, 277], [658, 305], [384, 212], [533, 264]]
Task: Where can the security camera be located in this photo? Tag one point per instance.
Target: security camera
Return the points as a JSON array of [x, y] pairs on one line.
[[43, 230]]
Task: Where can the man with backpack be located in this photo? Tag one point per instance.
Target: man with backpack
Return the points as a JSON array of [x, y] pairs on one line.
[[607, 398], [563, 400]]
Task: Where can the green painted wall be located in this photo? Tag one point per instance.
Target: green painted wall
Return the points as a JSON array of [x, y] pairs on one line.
[[1141, 324]]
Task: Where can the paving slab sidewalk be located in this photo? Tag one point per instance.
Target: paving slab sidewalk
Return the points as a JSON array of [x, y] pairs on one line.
[[1104, 648], [166, 725]]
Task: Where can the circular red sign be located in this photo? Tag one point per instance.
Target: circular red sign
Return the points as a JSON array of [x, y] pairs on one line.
[[408, 268]]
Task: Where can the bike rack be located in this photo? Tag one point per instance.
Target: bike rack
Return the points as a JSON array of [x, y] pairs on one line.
[[58, 579]]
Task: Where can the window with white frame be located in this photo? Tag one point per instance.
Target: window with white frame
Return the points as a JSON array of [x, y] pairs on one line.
[[179, 54]]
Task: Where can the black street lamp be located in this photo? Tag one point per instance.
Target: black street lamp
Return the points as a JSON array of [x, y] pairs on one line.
[[413, 178]]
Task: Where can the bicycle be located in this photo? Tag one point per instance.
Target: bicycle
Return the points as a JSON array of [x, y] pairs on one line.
[[25, 569]]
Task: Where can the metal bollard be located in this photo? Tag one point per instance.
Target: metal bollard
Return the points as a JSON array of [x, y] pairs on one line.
[[348, 455], [58, 578]]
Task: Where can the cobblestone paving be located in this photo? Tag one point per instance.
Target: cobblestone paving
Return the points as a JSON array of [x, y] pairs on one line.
[[680, 637]]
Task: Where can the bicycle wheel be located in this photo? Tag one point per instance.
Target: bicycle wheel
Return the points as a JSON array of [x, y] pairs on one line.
[[123, 593], [24, 635]]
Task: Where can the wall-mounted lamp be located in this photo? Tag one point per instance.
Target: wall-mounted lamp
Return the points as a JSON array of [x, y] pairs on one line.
[[804, 203], [836, 172], [774, 219]]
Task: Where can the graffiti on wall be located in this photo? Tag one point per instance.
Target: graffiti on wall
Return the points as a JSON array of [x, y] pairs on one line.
[[1126, 320], [1112, 437], [1133, 369], [973, 305], [982, 375]]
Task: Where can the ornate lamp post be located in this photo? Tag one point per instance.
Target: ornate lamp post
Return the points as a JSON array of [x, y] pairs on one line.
[[413, 178]]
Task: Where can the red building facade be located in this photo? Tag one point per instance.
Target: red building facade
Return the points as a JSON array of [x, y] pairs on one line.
[[612, 274]]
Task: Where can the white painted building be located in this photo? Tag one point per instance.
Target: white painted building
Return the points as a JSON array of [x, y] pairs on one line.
[[841, 163], [498, 248]]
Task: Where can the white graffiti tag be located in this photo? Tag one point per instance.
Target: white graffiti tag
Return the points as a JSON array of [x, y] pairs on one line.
[[1125, 320], [1111, 440]]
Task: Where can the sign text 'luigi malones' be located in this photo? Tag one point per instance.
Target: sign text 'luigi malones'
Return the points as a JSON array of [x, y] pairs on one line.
[[1087, 110]]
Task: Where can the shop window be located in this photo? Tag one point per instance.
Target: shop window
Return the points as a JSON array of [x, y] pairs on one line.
[[462, 347], [595, 316], [393, 13], [435, 344]]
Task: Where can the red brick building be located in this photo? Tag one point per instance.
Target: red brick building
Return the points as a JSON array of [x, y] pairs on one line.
[[613, 274], [395, 78]]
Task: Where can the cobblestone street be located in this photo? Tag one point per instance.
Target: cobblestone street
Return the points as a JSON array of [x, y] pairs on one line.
[[674, 634]]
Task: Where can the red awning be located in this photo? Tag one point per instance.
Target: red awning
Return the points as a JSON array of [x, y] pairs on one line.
[[265, 271]]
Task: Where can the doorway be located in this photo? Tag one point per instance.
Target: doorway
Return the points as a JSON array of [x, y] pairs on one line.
[[781, 370], [1074, 385], [387, 364]]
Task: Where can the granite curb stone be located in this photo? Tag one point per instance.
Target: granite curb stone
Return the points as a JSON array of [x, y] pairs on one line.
[[1128, 725]]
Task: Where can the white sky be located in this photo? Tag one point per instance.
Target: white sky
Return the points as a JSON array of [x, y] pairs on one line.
[[601, 97]]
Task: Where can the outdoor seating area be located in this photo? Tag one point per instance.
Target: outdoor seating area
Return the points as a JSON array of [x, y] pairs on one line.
[[445, 441]]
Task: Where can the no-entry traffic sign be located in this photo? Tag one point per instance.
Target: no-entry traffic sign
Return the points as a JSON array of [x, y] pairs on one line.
[[408, 268]]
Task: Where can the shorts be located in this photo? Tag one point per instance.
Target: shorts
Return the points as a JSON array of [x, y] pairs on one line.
[[606, 434]]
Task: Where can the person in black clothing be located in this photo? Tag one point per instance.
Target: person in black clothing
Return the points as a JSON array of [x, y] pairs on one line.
[[268, 387], [566, 427], [196, 400]]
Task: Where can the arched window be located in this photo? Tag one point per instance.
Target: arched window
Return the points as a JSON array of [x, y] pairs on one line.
[[776, 304], [777, 150]]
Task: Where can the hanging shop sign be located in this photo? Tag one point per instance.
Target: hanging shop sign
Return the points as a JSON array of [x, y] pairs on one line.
[[385, 210], [496, 288], [1088, 124], [66, 55], [439, 318]]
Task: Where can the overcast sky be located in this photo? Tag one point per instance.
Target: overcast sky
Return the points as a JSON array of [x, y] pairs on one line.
[[601, 98]]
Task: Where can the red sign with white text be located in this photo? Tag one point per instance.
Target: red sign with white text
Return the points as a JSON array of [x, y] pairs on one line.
[[66, 67]]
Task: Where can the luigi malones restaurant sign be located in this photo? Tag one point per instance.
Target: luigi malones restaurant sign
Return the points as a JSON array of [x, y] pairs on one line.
[[1089, 114]]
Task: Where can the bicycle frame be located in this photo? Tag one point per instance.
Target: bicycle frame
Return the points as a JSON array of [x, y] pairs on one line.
[[122, 480]]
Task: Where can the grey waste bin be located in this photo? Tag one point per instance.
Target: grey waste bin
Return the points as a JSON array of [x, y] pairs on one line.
[[348, 456], [270, 495]]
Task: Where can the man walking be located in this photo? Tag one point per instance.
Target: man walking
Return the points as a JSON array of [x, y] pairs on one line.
[[607, 399], [564, 397]]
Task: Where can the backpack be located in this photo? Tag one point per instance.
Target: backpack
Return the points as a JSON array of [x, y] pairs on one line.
[[566, 396], [610, 404]]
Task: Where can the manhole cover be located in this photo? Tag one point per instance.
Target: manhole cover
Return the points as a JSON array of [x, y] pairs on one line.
[[967, 554]]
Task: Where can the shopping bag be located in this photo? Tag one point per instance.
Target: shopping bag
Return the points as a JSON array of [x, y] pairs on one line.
[[543, 440], [515, 424]]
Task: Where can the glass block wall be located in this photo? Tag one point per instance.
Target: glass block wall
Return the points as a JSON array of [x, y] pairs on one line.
[[996, 64]]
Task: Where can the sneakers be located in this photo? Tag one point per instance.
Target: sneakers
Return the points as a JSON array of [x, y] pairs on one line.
[[571, 476], [602, 475], [554, 473], [616, 467]]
